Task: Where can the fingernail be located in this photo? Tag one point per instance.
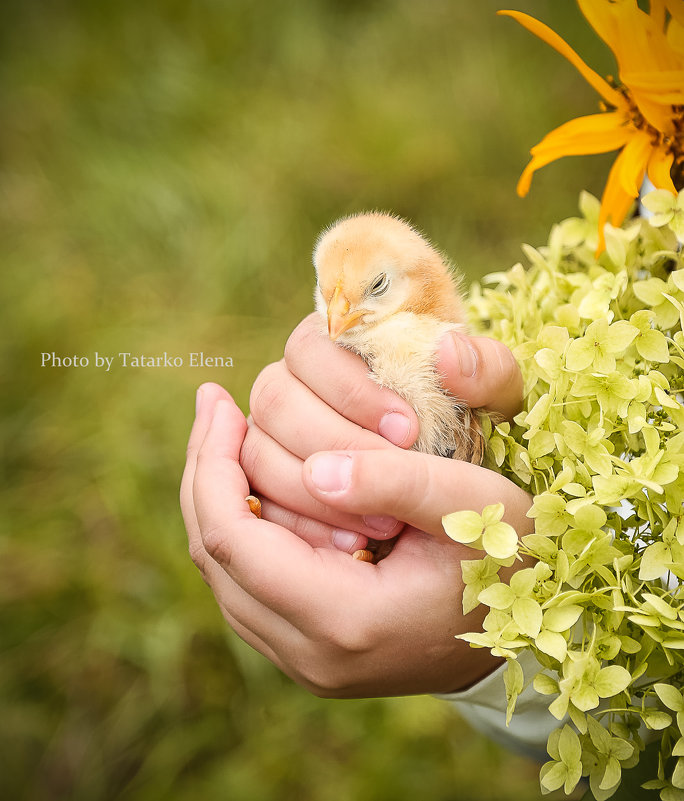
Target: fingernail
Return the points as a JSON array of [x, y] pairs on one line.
[[331, 472], [467, 355], [348, 540], [380, 523], [198, 401], [395, 427]]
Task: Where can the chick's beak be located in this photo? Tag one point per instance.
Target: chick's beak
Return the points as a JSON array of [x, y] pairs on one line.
[[340, 319]]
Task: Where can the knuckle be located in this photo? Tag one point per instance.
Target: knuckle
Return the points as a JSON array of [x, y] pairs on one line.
[[191, 452], [267, 394], [205, 463], [334, 661], [415, 482], [251, 455], [352, 400], [324, 690], [301, 339], [215, 545], [198, 556], [509, 370], [350, 637], [325, 678]]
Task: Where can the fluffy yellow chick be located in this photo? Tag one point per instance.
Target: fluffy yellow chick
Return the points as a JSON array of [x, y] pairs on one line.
[[389, 296]]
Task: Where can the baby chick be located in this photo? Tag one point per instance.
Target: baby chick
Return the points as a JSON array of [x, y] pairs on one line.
[[389, 296]]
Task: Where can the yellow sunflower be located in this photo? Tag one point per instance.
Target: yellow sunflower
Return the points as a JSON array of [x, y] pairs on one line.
[[642, 113]]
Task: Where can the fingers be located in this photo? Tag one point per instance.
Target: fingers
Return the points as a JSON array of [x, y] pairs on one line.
[[207, 395], [251, 579], [269, 563], [481, 371], [317, 534], [293, 415], [340, 379], [275, 473], [414, 487]]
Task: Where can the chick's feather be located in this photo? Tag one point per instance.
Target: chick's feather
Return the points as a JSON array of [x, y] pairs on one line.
[[390, 297]]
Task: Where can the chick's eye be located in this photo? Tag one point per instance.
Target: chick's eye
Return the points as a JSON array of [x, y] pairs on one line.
[[380, 285]]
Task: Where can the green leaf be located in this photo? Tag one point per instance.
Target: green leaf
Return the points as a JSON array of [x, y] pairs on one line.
[[661, 203], [579, 356], [559, 707], [650, 291], [562, 618], [569, 746], [464, 527], [671, 794], [552, 643], [654, 719], [619, 336], [523, 581], [611, 777], [552, 776], [590, 516], [661, 607], [528, 616], [622, 749], [545, 685], [612, 680], [513, 682], [655, 561], [492, 514], [497, 596], [584, 697], [678, 774], [500, 540], [616, 247], [652, 345], [539, 411], [599, 735]]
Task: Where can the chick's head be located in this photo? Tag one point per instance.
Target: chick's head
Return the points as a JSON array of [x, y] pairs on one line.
[[372, 266]]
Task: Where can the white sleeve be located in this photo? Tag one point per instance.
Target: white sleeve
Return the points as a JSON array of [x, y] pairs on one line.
[[484, 706]]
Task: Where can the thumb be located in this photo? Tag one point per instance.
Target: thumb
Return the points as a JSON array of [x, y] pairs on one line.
[[416, 488], [481, 371]]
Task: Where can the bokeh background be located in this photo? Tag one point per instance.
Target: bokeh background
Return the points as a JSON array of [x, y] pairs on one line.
[[165, 168]]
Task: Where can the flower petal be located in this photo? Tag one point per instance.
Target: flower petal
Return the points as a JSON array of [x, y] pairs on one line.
[[666, 85], [676, 9], [675, 35], [659, 166], [657, 12], [635, 38], [642, 49], [554, 40], [595, 133], [633, 162], [615, 202]]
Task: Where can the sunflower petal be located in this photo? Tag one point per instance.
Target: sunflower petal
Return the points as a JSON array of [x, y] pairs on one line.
[[675, 36], [657, 112], [666, 86], [676, 9], [554, 40], [657, 12], [659, 166], [595, 133], [633, 162], [615, 202]]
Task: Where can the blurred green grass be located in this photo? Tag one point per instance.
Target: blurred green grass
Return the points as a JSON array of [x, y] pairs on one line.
[[164, 170]]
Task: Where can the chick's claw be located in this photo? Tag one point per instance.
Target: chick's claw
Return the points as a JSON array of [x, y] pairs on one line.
[[363, 556], [254, 505]]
